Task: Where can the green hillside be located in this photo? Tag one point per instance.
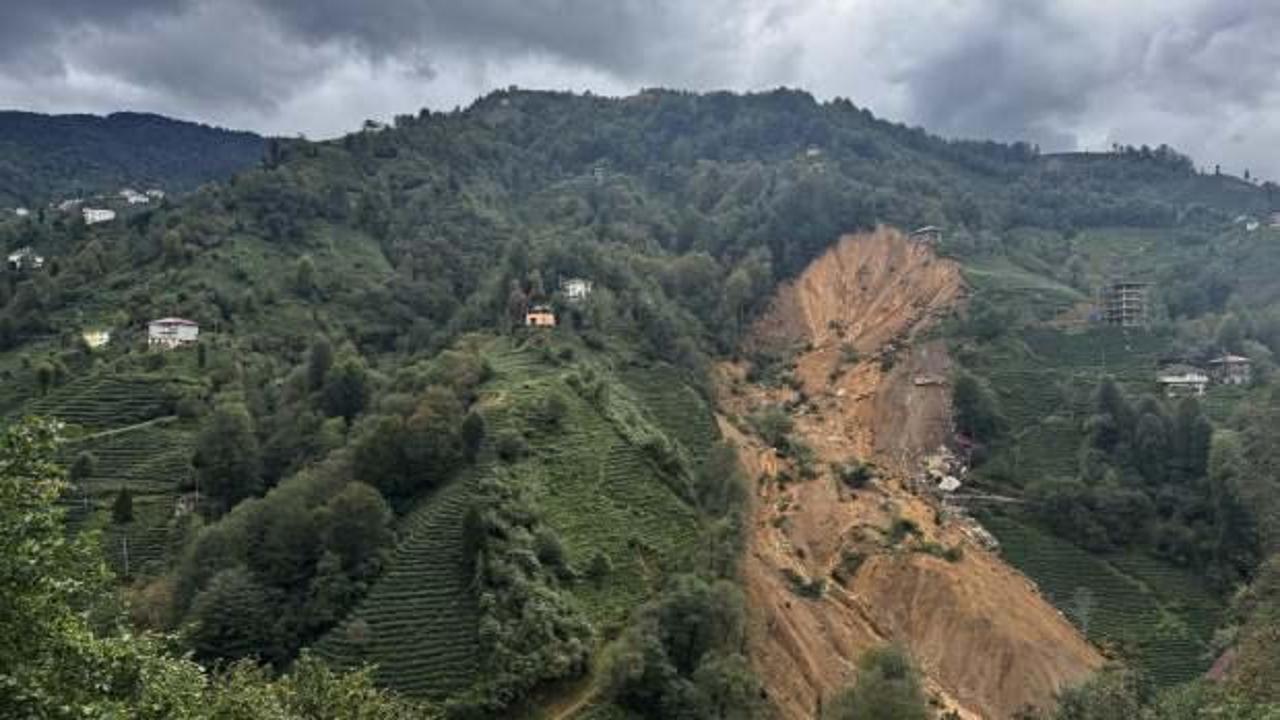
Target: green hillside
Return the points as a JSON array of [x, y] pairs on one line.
[[391, 470], [52, 157]]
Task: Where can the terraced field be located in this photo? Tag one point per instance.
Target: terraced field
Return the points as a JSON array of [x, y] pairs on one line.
[[676, 408], [1156, 615], [600, 493], [154, 463], [418, 626], [106, 401]]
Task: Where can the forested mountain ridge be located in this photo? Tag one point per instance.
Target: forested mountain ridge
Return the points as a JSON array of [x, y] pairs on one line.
[[57, 157], [362, 373]]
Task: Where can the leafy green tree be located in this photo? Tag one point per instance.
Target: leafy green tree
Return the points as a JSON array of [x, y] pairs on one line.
[[887, 688], [473, 432], [304, 278], [232, 618], [1114, 694], [1235, 548], [122, 507], [1230, 337], [346, 389], [226, 457], [319, 360], [358, 527], [82, 467], [974, 407]]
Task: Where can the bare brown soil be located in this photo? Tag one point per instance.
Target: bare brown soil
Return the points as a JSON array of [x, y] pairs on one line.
[[867, 386]]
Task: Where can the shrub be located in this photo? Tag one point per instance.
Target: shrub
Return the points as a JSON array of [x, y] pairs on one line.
[[901, 528], [854, 474], [511, 446], [805, 587]]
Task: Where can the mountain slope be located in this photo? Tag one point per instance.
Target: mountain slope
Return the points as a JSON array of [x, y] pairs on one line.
[[47, 157], [968, 619], [347, 292]]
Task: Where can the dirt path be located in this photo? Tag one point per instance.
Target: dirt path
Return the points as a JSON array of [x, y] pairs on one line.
[[121, 430], [866, 388]]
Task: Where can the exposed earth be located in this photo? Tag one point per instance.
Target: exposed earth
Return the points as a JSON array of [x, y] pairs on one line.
[[890, 563]]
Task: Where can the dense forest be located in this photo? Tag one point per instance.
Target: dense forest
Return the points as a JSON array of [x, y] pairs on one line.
[[364, 402], [56, 157]]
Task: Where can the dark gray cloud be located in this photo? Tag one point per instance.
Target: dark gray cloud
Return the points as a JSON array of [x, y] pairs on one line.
[[1203, 75]]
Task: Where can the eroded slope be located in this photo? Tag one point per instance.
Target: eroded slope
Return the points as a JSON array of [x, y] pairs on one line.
[[867, 388]]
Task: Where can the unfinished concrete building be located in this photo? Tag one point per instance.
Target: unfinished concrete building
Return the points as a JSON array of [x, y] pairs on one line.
[[1124, 303]]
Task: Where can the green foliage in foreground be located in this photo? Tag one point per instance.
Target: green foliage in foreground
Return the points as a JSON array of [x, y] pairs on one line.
[[1120, 694], [65, 651], [888, 688]]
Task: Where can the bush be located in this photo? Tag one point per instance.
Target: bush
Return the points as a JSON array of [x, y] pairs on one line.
[[854, 474], [511, 446], [805, 587], [901, 528], [888, 688]]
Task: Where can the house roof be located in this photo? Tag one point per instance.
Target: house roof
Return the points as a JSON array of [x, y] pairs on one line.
[[540, 309], [1181, 373], [1230, 360], [175, 321], [926, 229]]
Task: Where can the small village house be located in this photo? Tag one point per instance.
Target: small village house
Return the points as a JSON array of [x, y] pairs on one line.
[[576, 288], [1182, 381], [540, 316], [25, 259], [21, 212], [155, 194], [133, 197], [1231, 370], [98, 215], [96, 338], [929, 234], [172, 332]]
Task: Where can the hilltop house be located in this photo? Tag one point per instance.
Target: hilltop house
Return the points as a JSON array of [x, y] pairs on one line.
[[172, 332], [929, 234], [133, 197], [1182, 381], [576, 288], [25, 259], [96, 338], [21, 212], [540, 316], [97, 215], [1231, 370]]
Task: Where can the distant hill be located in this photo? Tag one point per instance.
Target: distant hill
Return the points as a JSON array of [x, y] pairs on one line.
[[43, 157]]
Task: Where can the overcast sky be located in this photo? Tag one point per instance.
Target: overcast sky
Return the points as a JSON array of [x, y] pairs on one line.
[[1201, 75]]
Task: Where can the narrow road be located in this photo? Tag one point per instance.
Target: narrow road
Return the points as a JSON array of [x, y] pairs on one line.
[[121, 430]]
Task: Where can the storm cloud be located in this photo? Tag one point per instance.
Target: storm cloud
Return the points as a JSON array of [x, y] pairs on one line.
[[1202, 75]]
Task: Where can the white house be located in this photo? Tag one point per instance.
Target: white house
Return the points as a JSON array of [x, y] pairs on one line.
[[21, 212], [929, 234], [25, 258], [576, 288], [1183, 381], [97, 215], [96, 338], [155, 194], [133, 197], [69, 205], [172, 332], [1231, 370]]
